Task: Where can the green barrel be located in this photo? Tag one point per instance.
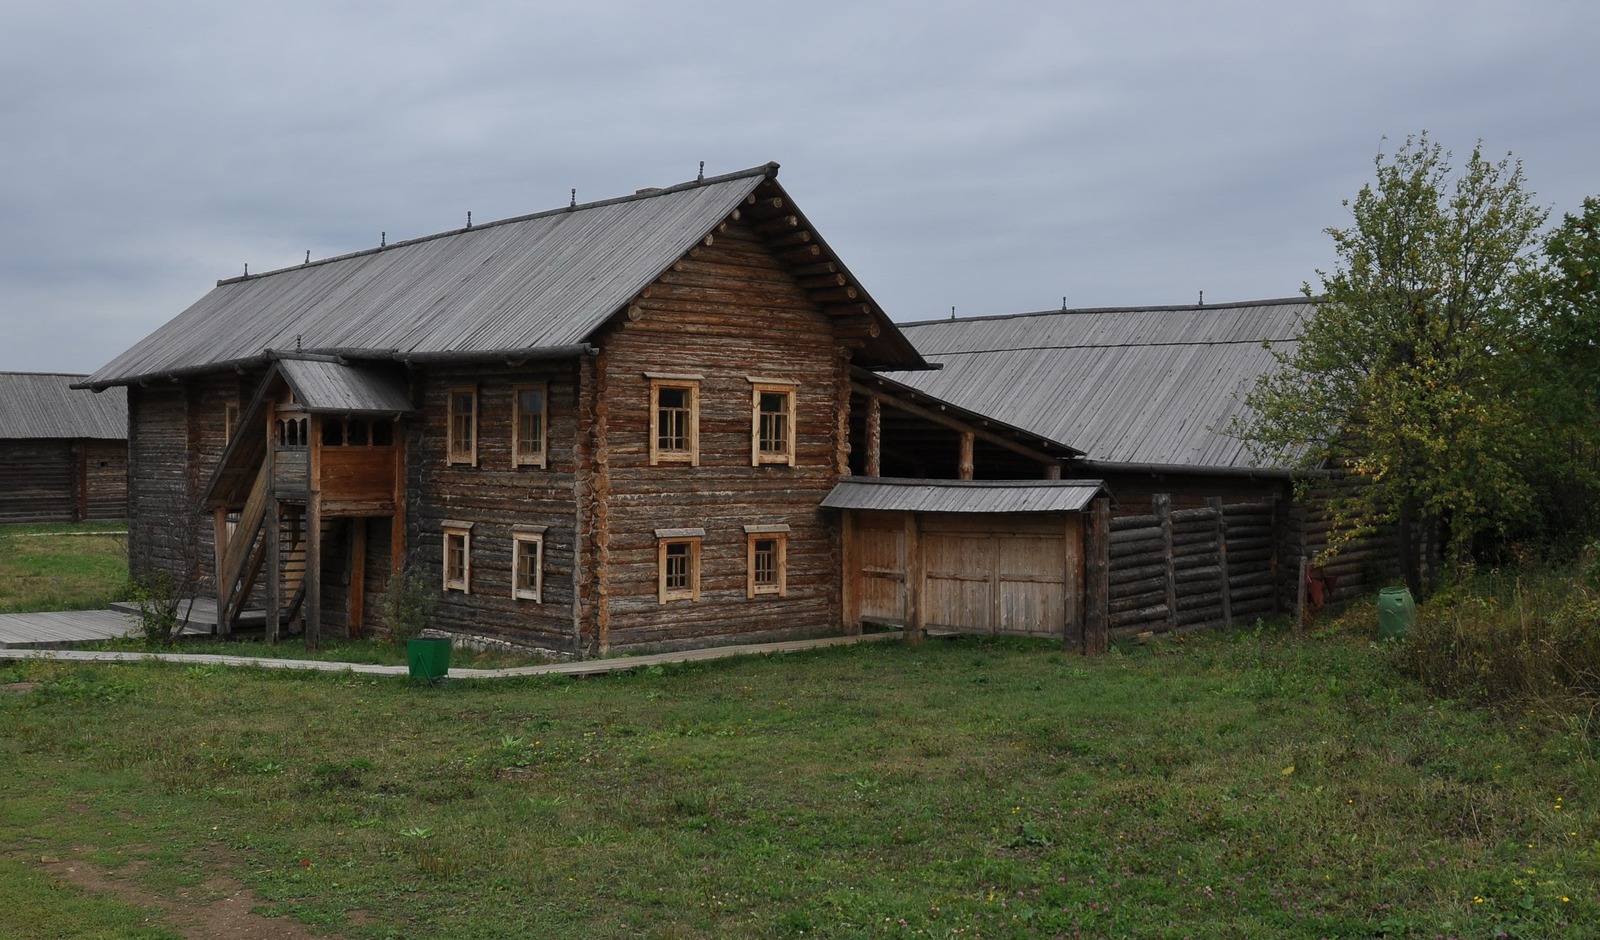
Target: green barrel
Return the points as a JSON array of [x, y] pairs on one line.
[[1396, 613], [428, 659]]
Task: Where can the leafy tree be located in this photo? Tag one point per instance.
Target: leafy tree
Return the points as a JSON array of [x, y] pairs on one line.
[[1565, 367], [1407, 375]]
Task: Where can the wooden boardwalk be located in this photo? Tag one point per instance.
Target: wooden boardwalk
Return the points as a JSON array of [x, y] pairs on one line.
[[33, 636]]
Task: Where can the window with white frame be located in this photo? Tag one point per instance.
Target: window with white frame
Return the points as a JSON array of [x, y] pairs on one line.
[[462, 436], [766, 559], [674, 419], [529, 410], [527, 563], [678, 564], [771, 421], [458, 556]]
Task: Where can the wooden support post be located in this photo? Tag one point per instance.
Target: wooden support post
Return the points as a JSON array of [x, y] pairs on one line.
[[219, 554], [358, 575], [874, 436], [850, 571], [1163, 509], [1072, 581], [966, 455], [1052, 471], [916, 610], [313, 576], [1215, 502], [274, 537], [1300, 598], [1096, 587]]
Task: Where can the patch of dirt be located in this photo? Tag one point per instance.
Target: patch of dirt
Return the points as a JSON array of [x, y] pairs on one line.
[[19, 687], [218, 907]]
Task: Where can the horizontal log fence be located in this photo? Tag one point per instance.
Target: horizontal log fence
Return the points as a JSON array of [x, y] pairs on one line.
[[1207, 566]]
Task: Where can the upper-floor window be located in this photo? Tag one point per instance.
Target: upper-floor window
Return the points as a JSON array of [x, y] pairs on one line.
[[230, 421], [675, 419], [528, 417], [771, 422], [462, 444], [357, 432], [291, 432]]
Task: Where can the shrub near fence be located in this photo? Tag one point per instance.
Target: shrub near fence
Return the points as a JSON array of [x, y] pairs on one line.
[[1191, 567]]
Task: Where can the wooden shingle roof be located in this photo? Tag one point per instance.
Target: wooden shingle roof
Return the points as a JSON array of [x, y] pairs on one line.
[[1136, 386], [45, 405], [537, 285]]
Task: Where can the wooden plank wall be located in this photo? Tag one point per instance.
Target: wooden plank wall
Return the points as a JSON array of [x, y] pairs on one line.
[[727, 312], [1182, 568], [104, 479], [158, 474]]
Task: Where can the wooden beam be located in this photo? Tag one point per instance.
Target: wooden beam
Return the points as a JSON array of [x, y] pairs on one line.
[[831, 295], [313, 575], [953, 424], [874, 461], [818, 269], [966, 455], [1224, 582], [777, 225], [358, 576], [1162, 503], [816, 281], [274, 570], [1096, 589], [801, 255], [916, 609], [1072, 581]]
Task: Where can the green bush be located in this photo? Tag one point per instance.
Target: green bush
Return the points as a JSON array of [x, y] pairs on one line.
[[408, 606], [1508, 637]]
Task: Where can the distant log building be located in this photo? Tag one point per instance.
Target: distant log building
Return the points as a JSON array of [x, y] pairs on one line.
[[63, 451]]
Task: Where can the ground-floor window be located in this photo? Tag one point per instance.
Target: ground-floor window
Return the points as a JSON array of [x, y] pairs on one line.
[[458, 556], [678, 564], [527, 563], [766, 562]]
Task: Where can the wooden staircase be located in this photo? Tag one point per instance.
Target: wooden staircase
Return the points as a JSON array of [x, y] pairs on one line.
[[244, 559]]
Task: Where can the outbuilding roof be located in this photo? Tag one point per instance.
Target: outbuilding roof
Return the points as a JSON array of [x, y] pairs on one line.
[[1151, 387], [885, 494], [45, 405], [532, 286]]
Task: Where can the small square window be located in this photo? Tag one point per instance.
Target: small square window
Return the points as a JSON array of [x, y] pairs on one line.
[[462, 445], [678, 564], [771, 423], [528, 425], [766, 550], [458, 557], [527, 566], [674, 421]]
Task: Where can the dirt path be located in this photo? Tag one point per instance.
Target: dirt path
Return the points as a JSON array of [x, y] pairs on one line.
[[219, 907]]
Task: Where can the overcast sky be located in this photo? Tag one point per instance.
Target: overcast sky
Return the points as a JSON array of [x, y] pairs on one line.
[[993, 157]]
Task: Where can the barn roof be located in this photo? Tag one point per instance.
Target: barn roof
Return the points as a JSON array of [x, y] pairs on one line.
[[536, 285], [1134, 386], [887, 494], [44, 404]]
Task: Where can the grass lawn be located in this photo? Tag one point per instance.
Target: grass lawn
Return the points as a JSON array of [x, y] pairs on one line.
[[1228, 785], [62, 566]]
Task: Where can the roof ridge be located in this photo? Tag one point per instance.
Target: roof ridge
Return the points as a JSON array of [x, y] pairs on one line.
[[1168, 308], [768, 169]]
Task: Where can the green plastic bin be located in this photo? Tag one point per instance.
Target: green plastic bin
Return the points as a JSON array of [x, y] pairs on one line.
[[1397, 613], [428, 659]]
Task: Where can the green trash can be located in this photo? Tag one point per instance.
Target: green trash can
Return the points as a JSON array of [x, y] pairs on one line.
[[1397, 612], [428, 659]]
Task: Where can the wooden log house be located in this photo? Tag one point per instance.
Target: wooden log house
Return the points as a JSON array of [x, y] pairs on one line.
[[610, 426], [63, 451]]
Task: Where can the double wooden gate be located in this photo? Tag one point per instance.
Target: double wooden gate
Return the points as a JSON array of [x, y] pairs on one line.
[[1019, 575]]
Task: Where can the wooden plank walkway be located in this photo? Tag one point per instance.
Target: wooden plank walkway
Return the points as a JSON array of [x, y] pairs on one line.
[[584, 667]]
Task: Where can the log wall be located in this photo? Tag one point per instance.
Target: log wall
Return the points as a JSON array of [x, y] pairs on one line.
[[63, 480], [728, 312]]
